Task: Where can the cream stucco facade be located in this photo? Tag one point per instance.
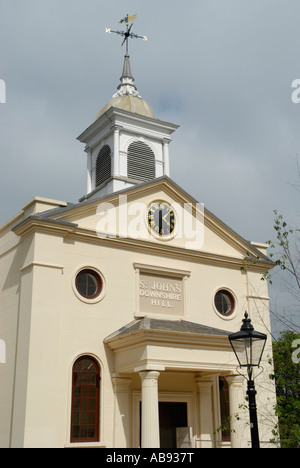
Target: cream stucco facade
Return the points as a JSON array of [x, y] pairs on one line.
[[46, 326], [154, 331]]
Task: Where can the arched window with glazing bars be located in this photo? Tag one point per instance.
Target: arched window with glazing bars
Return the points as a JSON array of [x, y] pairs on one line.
[[85, 417]]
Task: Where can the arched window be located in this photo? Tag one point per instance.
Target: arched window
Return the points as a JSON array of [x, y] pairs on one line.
[[103, 165], [140, 162], [85, 400]]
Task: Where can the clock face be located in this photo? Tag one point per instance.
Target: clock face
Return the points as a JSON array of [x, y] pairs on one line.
[[161, 218]]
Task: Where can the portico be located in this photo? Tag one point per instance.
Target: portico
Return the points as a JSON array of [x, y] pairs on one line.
[[178, 362]]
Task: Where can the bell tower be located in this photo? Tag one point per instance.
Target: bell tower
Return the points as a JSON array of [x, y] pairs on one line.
[[126, 145]]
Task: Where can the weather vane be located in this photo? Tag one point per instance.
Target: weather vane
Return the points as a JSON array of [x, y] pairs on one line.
[[127, 34]]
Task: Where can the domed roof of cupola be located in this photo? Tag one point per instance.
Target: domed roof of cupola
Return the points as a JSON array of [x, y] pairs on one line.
[[127, 97]]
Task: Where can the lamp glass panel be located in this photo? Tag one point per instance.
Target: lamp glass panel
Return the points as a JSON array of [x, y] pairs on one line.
[[257, 350], [248, 351]]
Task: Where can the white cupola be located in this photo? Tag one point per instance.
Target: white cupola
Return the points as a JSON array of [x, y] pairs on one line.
[[127, 144]]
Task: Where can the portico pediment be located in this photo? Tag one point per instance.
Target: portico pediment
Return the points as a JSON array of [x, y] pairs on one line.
[[170, 345]]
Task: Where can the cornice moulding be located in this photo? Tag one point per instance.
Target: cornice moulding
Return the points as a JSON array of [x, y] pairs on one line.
[[165, 338], [34, 224], [65, 229]]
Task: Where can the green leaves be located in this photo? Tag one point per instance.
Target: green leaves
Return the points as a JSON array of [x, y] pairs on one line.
[[287, 381], [283, 250]]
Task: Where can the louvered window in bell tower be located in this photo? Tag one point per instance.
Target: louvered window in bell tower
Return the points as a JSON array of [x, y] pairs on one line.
[[140, 162], [103, 165]]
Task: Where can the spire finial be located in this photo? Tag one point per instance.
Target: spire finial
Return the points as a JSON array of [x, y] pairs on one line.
[[127, 86]]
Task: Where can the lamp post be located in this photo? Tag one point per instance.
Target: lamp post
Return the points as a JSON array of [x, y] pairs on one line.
[[248, 346]]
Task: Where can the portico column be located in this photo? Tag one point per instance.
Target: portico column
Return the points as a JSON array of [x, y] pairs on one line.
[[150, 414], [236, 398]]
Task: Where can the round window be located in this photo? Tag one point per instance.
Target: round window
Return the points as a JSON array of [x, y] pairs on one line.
[[224, 302], [88, 284]]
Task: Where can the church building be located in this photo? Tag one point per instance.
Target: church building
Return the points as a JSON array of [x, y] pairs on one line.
[[116, 310]]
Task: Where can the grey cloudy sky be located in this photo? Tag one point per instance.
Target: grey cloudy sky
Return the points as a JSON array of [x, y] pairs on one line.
[[221, 69]]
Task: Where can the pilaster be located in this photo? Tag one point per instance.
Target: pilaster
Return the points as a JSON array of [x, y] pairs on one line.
[[205, 395], [122, 420]]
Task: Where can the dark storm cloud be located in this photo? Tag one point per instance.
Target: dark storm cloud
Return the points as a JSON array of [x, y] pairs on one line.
[[221, 69]]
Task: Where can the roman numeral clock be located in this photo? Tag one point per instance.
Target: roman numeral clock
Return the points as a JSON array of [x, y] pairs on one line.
[[161, 218]]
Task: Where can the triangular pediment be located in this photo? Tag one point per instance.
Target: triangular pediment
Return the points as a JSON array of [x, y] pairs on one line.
[[125, 215]]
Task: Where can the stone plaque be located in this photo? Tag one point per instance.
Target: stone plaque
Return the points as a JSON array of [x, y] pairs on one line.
[[161, 294]]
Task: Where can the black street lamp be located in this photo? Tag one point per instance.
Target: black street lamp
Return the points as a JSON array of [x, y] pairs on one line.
[[248, 346]]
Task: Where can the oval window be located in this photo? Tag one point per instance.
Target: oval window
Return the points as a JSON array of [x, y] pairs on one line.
[[224, 303], [88, 284]]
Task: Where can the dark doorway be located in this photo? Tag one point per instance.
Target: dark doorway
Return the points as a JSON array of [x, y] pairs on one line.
[[171, 416]]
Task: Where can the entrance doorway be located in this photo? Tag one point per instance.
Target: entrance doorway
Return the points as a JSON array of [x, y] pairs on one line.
[[175, 411], [171, 416]]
